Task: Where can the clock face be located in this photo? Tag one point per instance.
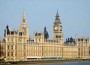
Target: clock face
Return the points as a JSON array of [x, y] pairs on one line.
[[56, 28]]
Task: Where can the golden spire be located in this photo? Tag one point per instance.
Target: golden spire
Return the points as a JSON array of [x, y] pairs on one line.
[[24, 18]]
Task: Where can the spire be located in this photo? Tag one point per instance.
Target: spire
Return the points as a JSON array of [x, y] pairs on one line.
[[24, 18], [23, 13], [7, 29], [46, 35], [0, 39], [57, 18], [57, 14]]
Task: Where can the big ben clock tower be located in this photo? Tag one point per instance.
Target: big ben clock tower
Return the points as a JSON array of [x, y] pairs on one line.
[[57, 28]]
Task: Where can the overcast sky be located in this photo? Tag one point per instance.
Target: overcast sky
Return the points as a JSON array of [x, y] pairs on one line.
[[74, 15]]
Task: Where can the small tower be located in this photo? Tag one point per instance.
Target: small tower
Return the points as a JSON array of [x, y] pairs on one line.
[[6, 31], [46, 35], [57, 28]]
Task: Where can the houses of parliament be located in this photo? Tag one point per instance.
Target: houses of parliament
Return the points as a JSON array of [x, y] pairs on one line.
[[18, 45]]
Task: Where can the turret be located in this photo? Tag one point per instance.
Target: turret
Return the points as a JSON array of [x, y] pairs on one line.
[[6, 31], [46, 35]]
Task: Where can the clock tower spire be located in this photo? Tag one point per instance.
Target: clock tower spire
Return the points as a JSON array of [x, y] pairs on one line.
[[57, 15], [24, 18], [57, 28]]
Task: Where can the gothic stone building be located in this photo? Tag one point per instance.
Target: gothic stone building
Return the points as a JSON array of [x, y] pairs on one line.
[[19, 46]]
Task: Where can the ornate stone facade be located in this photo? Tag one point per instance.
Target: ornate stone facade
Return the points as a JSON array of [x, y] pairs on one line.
[[19, 46]]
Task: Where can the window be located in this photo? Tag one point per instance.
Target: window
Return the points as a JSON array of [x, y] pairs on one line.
[[24, 54], [81, 39], [11, 39], [60, 29], [8, 47], [39, 39], [59, 36], [86, 40], [78, 39], [8, 54], [56, 36], [11, 53], [12, 47]]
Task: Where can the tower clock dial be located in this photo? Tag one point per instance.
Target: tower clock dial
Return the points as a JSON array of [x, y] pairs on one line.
[[56, 28]]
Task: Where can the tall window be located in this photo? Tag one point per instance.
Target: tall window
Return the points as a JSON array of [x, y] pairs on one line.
[[39, 40], [11, 53], [12, 47], [8, 47], [7, 53], [11, 39]]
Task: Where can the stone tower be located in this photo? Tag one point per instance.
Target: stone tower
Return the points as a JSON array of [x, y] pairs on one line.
[[24, 28], [57, 28]]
